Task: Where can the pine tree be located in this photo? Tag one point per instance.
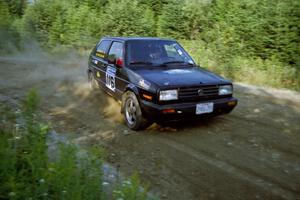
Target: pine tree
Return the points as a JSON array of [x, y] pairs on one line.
[[5, 17], [197, 15], [172, 22], [16, 7], [126, 18]]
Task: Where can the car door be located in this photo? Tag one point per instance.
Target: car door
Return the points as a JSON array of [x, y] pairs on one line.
[[114, 69], [99, 61]]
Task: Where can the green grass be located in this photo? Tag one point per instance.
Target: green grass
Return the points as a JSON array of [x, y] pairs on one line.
[[131, 190], [26, 172], [252, 70]]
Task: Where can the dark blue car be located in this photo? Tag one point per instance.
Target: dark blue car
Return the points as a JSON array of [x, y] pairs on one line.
[[157, 81]]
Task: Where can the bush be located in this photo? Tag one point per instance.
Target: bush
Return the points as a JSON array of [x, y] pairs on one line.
[[9, 35], [131, 190], [253, 70], [27, 173], [127, 18], [230, 33]]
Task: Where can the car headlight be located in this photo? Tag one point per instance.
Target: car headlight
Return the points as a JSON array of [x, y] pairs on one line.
[[167, 95], [225, 89]]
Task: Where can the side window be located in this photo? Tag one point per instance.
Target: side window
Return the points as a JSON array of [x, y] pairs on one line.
[[116, 51], [102, 48]]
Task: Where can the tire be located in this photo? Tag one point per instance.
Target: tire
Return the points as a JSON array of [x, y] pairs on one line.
[[92, 81], [133, 114]]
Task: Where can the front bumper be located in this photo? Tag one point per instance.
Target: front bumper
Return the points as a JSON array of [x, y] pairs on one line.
[[184, 111]]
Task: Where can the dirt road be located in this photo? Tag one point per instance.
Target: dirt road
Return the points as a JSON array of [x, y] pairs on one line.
[[252, 153]]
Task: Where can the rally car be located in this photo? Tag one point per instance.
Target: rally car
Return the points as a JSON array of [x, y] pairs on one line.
[[156, 81]]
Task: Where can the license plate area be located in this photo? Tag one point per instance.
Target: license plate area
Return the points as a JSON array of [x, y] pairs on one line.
[[204, 108]]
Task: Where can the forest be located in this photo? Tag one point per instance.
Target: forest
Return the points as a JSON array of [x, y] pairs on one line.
[[250, 41]]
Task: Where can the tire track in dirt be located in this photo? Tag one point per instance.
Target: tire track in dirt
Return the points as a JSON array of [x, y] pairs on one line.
[[228, 168], [177, 149], [245, 121], [283, 180], [232, 170]]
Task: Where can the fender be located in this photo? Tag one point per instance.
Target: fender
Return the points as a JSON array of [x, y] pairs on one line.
[[130, 87]]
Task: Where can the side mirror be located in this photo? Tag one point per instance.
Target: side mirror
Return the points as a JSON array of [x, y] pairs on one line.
[[119, 62]]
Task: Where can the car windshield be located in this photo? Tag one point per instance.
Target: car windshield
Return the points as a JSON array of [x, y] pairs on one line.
[[156, 53]]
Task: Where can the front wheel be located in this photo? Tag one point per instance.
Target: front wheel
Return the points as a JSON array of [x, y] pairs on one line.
[[133, 114]]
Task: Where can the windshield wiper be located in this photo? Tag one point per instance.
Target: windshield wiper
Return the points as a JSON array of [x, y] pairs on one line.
[[140, 63], [177, 62]]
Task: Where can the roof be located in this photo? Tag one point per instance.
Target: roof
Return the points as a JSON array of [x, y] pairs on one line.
[[136, 38]]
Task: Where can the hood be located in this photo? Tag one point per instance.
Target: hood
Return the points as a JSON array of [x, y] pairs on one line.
[[185, 76]]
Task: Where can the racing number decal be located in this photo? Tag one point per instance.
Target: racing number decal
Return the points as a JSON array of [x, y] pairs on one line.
[[110, 78]]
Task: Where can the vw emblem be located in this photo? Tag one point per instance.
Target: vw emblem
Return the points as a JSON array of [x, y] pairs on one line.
[[200, 92]]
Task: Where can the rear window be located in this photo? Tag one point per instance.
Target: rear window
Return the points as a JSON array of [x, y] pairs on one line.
[[102, 48]]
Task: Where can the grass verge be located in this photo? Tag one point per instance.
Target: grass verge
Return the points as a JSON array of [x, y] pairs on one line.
[[251, 70], [26, 172]]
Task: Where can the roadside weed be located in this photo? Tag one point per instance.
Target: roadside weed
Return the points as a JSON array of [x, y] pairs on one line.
[[27, 172]]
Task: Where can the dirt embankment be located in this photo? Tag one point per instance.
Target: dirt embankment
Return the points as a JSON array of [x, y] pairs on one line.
[[252, 153]]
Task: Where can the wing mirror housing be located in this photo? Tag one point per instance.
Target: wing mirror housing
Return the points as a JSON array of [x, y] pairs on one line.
[[119, 62], [115, 61]]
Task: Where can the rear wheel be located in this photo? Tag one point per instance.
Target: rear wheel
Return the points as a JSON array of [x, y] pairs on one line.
[[132, 112], [92, 81]]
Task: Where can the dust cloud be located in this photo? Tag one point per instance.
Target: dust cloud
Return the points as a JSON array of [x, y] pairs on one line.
[[60, 76]]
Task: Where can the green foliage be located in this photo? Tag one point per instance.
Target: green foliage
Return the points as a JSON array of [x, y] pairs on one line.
[[131, 190], [39, 17], [197, 18], [172, 21], [228, 30], [156, 7], [16, 7], [81, 24], [9, 36], [26, 171], [126, 18], [5, 18], [264, 28], [244, 69], [69, 28]]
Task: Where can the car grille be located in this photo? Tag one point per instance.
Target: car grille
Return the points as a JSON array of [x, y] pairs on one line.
[[204, 92]]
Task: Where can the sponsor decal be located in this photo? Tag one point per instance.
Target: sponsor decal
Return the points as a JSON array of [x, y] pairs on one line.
[[179, 51], [144, 84], [98, 74], [111, 78], [100, 54]]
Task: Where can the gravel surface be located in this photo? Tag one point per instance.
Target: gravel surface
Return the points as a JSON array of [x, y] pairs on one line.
[[252, 153]]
